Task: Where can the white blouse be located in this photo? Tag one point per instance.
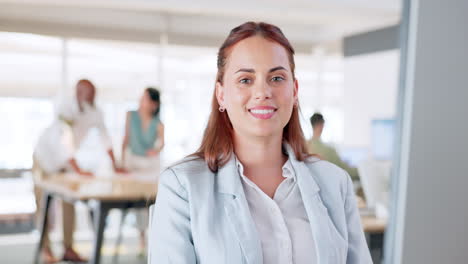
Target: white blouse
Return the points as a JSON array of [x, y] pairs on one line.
[[59, 142], [282, 222]]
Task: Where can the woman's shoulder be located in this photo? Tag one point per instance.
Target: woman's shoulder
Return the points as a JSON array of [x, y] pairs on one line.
[[157, 119], [131, 113], [190, 164], [326, 174], [191, 170]]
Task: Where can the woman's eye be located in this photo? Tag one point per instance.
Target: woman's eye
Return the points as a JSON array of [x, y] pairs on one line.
[[245, 81], [277, 79]]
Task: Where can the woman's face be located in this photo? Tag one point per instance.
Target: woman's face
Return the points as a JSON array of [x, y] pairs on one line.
[[258, 89], [85, 92], [146, 104]]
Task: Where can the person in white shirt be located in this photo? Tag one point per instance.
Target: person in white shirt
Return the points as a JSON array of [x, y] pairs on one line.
[[252, 193], [55, 150]]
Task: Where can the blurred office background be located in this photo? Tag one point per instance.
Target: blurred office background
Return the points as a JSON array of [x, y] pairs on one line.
[[347, 61]]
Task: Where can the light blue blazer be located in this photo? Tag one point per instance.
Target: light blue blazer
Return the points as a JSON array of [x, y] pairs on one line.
[[203, 217]]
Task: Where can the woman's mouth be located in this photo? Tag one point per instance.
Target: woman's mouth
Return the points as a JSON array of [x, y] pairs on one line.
[[263, 112]]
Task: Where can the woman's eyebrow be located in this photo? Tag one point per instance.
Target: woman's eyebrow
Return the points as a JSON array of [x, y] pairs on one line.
[[253, 71], [277, 68], [246, 70]]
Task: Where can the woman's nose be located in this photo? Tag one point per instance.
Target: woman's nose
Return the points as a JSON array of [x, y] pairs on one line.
[[262, 91]]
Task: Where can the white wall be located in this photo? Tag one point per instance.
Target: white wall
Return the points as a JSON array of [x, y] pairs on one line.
[[370, 92]]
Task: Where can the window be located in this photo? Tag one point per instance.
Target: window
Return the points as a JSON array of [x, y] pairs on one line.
[[121, 71]]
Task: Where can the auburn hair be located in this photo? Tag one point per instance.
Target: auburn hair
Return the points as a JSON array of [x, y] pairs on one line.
[[217, 144]]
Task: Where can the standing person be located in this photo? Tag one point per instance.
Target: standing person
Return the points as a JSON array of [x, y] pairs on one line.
[[142, 144], [144, 134], [251, 193], [54, 153], [325, 151]]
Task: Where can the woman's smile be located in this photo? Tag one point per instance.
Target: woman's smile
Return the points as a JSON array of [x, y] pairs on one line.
[[262, 112]]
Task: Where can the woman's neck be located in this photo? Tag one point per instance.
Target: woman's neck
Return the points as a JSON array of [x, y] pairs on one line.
[[262, 160], [144, 115], [258, 153]]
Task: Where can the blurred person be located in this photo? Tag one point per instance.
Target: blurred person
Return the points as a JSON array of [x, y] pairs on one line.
[[54, 153], [252, 193], [142, 145], [325, 151], [144, 134]]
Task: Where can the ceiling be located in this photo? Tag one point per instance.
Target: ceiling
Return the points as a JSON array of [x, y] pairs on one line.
[[306, 23]]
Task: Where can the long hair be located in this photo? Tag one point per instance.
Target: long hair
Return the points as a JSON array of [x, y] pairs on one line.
[[155, 98], [217, 144]]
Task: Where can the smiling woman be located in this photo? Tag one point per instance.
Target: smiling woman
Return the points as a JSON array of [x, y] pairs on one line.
[[252, 193], [254, 43]]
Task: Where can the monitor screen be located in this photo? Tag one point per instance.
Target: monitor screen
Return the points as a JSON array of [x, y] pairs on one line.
[[383, 136], [353, 155]]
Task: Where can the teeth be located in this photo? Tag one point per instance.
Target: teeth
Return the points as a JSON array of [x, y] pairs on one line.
[[262, 111]]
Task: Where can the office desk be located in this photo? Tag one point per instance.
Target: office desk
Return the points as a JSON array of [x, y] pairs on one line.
[[374, 229], [101, 195], [373, 225]]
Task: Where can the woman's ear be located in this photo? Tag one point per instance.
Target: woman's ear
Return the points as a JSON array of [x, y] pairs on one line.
[[220, 94], [296, 90]]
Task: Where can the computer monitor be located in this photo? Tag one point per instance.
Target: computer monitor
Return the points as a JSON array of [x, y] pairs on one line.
[[353, 155], [383, 138]]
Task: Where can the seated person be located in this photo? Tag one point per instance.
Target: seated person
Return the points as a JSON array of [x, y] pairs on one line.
[[327, 152]]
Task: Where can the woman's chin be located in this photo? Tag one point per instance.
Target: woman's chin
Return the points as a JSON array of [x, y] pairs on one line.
[[265, 132]]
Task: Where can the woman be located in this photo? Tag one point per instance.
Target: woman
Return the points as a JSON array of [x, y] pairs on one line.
[[144, 134], [251, 193], [142, 143]]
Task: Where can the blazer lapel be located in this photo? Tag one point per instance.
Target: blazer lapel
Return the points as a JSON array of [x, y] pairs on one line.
[[238, 213], [316, 211]]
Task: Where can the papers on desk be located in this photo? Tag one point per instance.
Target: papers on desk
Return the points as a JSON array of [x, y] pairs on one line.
[[366, 211], [112, 187], [95, 187], [380, 211]]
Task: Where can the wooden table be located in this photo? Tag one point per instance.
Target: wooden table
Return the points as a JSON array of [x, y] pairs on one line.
[[374, 229], [373, 225], [101, 195], [370, 223]]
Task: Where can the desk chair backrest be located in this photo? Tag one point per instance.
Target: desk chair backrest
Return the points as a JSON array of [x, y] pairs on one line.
[[375, 176]]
